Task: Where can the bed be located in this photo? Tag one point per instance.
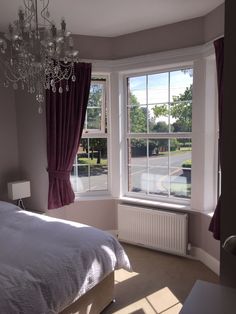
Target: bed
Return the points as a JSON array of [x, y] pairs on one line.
[[50, 265]]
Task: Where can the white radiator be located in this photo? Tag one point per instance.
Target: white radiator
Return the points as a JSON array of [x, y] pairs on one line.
[[158, 229]]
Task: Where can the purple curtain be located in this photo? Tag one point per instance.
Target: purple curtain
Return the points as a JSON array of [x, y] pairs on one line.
[[219, 52], [65, 114]]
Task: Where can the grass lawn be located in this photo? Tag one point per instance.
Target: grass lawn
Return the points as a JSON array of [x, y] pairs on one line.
[[92, 162], [176, 152]]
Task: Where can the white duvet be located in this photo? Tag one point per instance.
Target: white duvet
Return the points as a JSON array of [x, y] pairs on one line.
[[47, 263]]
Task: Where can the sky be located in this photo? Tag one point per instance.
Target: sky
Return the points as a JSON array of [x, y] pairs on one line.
[[157, 91]]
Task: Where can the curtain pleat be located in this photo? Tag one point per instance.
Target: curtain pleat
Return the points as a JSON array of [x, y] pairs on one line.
[[219, 52], [65, 115]]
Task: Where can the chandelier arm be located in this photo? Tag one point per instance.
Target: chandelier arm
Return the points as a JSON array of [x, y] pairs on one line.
[[13, 79], [62, 76], [30, 16], [36, 17], [25, 4], [42, 13]]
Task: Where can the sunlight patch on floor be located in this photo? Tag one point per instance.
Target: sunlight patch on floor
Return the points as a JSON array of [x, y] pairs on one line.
[[122, 275], [159, 302]]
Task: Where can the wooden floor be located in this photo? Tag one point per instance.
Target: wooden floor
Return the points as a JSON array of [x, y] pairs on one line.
[[159, 282]]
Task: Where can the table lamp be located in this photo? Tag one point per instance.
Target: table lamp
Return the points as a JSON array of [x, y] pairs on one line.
[[18, 190]]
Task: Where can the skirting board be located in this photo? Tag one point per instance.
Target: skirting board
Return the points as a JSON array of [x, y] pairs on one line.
[[210, 261]]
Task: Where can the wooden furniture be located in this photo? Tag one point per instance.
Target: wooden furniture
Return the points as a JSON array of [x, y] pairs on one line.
[[209, 298]]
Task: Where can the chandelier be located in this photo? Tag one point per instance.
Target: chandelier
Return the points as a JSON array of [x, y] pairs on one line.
[[35, 55]]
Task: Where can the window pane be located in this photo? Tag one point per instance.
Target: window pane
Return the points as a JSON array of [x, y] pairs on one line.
[[98, 177], [91, 171], [181, 116], [137, 151], [137, 119], [181, 85], [158, 88], [158, 155], [138, 179], [181, 184], [180, 167], [158, 117], [94, 118], [80, 179], [158, 182], [137, 93], [96, 94]]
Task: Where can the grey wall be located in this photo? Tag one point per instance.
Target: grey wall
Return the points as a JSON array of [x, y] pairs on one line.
[[214, 23], [9, 167], [174, 36], [32, 149], [200, 237], [100, 213], [91, 47], [183, 34], [228, 211]]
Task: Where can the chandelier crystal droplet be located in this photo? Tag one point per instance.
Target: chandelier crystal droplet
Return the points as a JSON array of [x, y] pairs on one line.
[[35, 54]]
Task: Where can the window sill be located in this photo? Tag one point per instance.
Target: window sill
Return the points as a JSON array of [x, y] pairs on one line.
[[164, 205], [158, 204], [93, 197]]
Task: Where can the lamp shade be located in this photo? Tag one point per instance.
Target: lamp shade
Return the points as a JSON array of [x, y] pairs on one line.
[[18, 190]]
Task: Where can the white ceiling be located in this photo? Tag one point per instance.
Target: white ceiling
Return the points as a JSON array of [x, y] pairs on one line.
[[114, 17]]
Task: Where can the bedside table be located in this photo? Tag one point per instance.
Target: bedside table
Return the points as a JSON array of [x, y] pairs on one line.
[[209, 298]]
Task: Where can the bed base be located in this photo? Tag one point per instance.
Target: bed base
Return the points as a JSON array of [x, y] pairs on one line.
[[95, 300]]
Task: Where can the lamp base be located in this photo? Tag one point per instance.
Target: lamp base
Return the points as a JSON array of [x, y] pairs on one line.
[[20, 203]]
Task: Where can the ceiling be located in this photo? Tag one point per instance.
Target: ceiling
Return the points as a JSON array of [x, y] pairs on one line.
[[111, 18]]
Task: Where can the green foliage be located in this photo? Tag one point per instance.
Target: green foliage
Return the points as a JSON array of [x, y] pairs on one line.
[[174, 144], [187, 95], [138, 119], [160, 110], [95, 95], [187, 164], [138, 116], [94, 106], [181, 110], [161, 126]]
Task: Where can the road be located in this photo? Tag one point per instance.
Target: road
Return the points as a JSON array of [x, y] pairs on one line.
[[155, 179]]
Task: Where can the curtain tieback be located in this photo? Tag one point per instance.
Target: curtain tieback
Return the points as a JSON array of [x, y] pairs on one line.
[[57, 174]]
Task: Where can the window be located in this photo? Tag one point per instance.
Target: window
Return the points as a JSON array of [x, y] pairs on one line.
[[90, 169], [158, 137]]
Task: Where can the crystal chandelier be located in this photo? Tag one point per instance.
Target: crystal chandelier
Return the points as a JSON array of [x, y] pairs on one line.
[[36, 55]]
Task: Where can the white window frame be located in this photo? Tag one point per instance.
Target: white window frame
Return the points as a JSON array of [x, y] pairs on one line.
[[204, 134], [103, 109], [127, 135], [93, 133]]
